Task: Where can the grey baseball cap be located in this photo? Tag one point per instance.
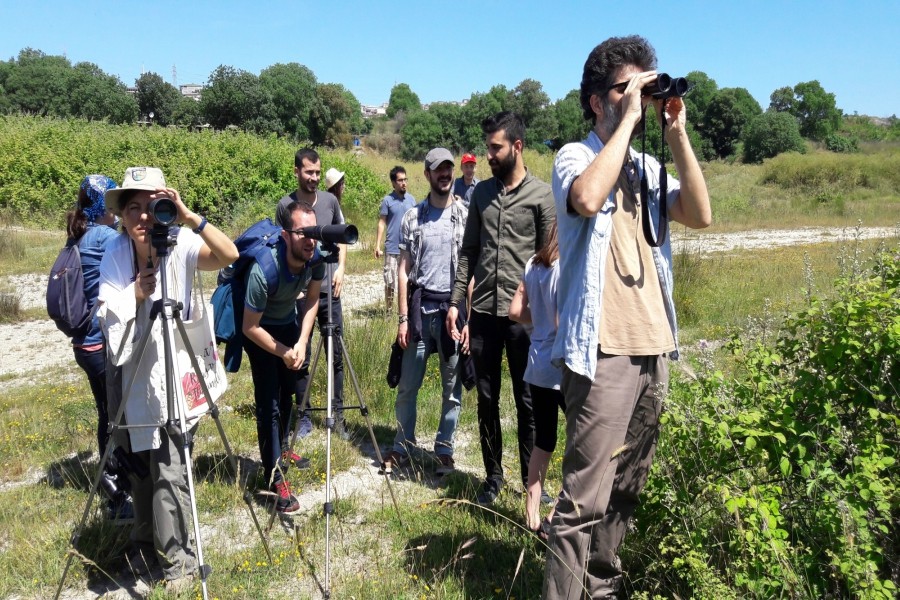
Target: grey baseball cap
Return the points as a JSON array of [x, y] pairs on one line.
[[436, 157]]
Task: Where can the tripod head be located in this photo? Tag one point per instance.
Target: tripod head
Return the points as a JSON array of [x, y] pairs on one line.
[[163, 237]]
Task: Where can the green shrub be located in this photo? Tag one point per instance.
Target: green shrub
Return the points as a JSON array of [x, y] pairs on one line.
[[880, 171], [841, 143], [231, 177], [770, 134], [781, 481]]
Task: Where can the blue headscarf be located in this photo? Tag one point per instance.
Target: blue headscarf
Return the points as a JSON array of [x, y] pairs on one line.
[[95, 186]]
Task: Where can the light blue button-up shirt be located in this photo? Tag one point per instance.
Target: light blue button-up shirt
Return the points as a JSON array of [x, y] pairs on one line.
[[583, 248]]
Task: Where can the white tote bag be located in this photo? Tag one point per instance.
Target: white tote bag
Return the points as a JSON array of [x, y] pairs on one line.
[[200, 333]]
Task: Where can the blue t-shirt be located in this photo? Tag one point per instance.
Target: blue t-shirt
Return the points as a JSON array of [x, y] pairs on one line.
[[92, 245], [393, 208], [464, 191]]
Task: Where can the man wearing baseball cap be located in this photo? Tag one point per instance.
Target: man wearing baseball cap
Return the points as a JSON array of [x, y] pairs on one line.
[[465, 185], [431, 236]]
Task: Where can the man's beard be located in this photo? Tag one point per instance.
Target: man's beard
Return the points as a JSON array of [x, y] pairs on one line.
[[612, 118], [504, 167]]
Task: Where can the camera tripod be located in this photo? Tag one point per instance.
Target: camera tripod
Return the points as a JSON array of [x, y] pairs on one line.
[[176, 425], [328, 331]]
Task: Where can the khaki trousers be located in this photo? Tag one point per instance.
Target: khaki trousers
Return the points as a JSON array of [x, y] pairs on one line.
[[162, 508], [612, 425]]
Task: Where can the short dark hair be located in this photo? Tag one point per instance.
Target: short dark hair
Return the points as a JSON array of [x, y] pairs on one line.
[[607, 58], [396, 171], [508, 122], [307, 153], [299, 206]]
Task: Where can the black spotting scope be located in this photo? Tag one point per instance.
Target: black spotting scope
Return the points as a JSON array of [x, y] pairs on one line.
[[334, 234]]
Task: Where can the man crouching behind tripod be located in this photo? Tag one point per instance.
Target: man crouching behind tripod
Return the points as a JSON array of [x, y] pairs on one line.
[[129, 286], [616, 316]]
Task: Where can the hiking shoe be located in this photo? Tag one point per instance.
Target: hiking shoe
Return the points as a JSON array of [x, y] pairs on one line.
[[285, 501], [179, 585], [488, 493], [340, 429], [301, 462], [447, 464], [121, 510], [304, 426], [394, 459], [545, 497], [137, 563]]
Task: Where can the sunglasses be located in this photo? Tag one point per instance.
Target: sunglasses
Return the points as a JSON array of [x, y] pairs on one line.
[[619, 87]]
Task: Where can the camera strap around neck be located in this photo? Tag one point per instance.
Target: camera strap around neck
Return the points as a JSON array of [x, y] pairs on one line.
[[662, 223]]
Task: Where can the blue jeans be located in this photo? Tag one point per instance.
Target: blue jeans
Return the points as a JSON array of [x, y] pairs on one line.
[[415, 359]]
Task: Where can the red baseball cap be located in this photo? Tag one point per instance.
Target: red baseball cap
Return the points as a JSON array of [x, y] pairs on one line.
[[468, 157]]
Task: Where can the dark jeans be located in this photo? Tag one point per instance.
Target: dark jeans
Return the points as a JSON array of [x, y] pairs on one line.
[[93, 363], [271, 378], [547, 403], [488, 336], [337, 318]]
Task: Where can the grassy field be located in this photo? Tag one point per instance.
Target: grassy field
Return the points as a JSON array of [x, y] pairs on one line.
[[439, 546]]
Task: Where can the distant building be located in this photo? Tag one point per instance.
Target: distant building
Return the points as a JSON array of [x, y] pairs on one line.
[[371, 110], [191, 90]]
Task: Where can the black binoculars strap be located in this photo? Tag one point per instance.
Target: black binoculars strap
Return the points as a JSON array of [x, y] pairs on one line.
[[662, 223]]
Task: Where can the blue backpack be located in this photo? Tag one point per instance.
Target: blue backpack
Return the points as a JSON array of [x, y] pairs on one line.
[[254, 246], [66, 302]]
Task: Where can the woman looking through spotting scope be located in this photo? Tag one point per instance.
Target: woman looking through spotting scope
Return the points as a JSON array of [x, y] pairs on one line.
[[129, 273]]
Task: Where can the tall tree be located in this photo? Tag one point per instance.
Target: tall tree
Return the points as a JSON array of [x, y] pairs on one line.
[[726, 115], [402, 99], [479, 107], [782, 100], [420, 133], [816, 110], [157, 96], [334, 116], [235, 97], [450, 117], [528, 100], [39, 84], [292, 87], [703, 90], [570, 119], [95, 95]]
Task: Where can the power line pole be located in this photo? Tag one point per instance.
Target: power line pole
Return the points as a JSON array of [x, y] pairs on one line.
[[174, 77]]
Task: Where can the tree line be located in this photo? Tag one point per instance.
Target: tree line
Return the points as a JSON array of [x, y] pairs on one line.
[[288, 100]]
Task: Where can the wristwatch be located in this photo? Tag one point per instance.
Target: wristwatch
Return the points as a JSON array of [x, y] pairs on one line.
[[402, 319]]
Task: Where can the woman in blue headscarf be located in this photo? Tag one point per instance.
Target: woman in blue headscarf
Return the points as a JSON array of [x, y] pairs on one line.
[[92, 227]]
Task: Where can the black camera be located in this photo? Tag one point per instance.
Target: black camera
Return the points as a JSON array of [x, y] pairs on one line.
[[163, 211], [667, 87], [332, 234]]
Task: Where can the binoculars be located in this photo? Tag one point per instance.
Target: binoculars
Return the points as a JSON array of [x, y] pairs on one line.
[[667, 87]]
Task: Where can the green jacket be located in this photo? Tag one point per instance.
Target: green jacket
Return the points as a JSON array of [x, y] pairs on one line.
[[504, 229]]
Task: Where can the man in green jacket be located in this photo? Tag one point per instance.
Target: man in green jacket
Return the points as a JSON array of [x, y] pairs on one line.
[[509, 217]]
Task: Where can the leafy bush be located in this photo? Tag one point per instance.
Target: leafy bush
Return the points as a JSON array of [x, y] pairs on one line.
[[812, 172], [781, 481], [770, 134], [840, 143], [231, 176]]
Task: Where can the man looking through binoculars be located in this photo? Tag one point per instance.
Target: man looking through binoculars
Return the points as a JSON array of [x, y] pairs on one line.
[[617, 324]]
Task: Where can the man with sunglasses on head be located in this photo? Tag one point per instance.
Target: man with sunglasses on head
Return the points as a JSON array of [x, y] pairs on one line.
[[617, 325]]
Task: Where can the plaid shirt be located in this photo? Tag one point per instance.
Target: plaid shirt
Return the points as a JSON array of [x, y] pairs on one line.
[[411, 233]]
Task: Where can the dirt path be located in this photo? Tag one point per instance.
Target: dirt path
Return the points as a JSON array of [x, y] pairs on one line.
[[34, 347]]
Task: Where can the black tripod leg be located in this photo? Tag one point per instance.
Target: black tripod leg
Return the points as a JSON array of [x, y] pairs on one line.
[[364, 411], [113, 426], [214, 413], [295, 413]]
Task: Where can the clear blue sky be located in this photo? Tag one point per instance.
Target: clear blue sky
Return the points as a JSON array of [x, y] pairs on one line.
[[447, 50]]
